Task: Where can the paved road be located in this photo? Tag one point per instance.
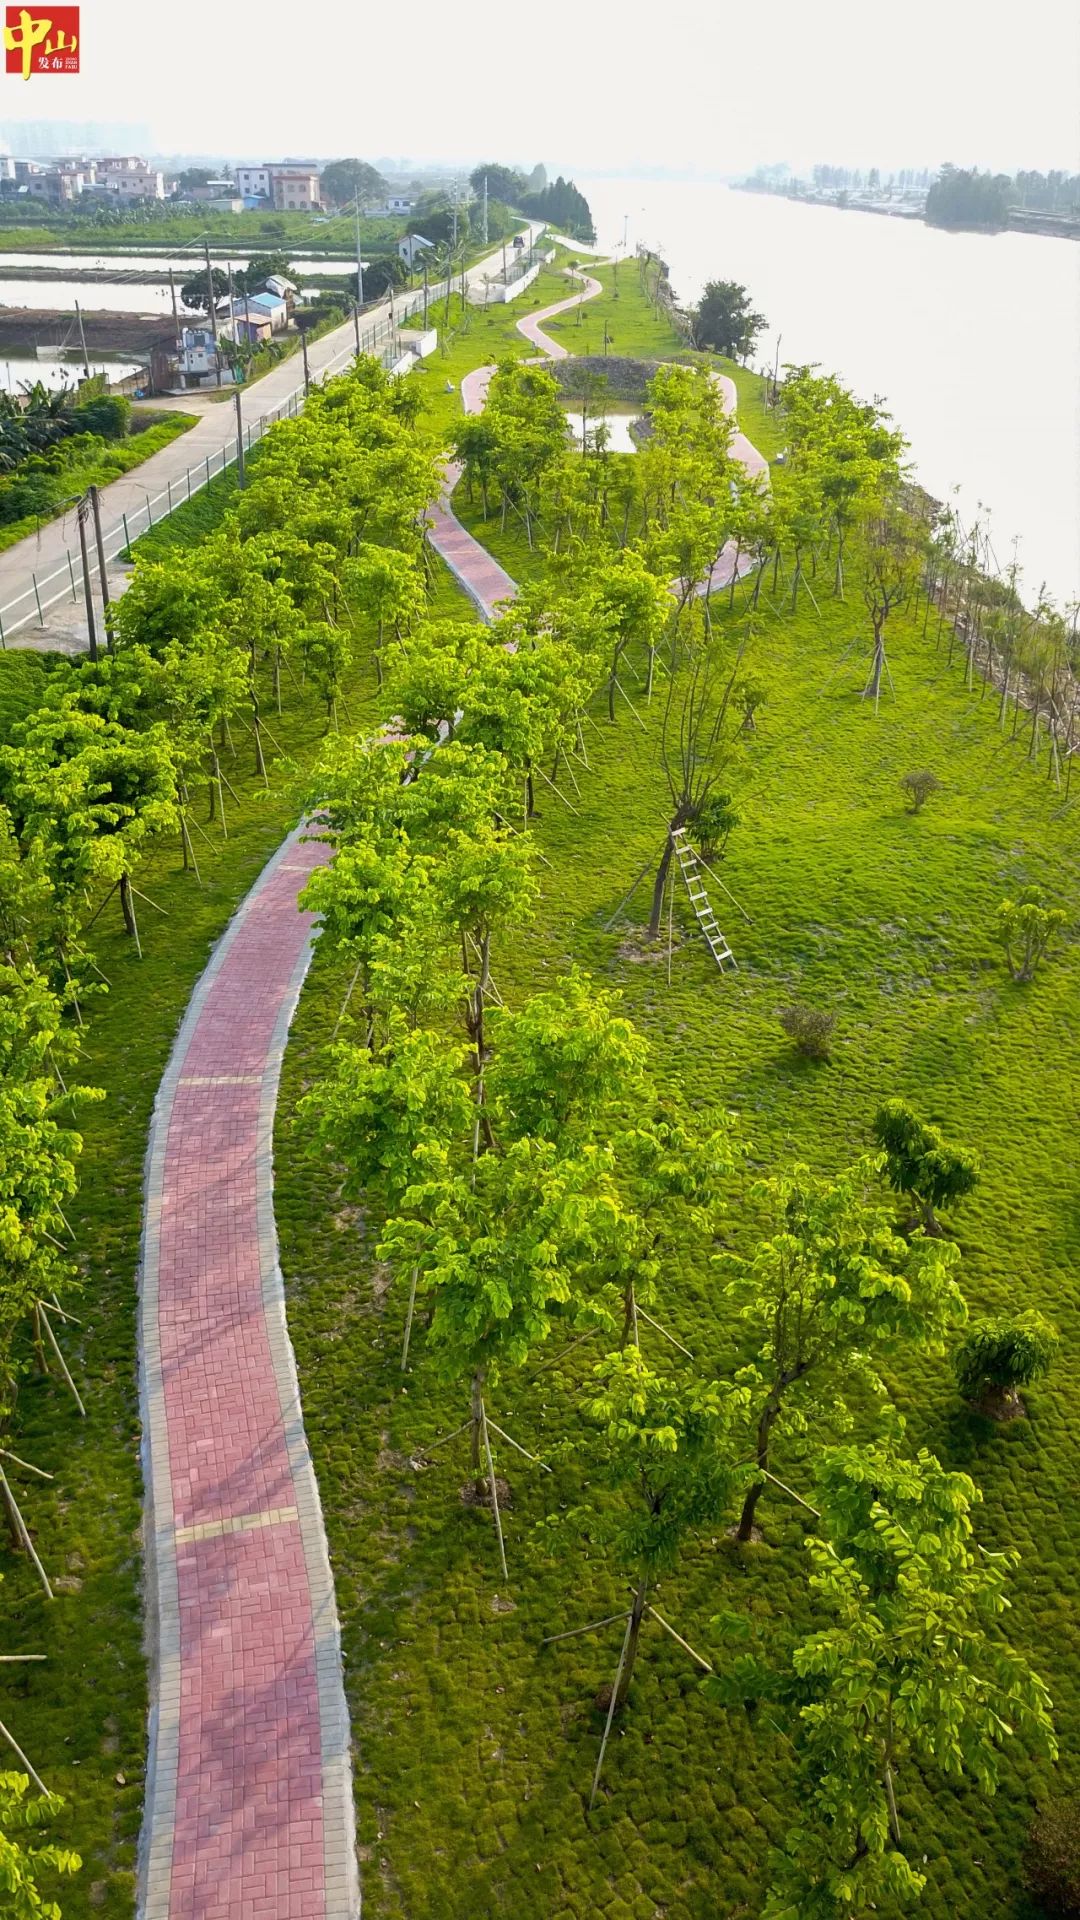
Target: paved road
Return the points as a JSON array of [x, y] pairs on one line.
[[52, 554]]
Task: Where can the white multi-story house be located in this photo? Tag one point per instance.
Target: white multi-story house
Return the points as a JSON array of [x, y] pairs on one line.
[[398, 203], [132, 179], [253, 183]]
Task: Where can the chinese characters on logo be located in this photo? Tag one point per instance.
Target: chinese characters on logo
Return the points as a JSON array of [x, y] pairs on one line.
[[45, 42]]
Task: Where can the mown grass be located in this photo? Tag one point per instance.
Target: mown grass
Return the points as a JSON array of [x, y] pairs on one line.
[[474, 1746]]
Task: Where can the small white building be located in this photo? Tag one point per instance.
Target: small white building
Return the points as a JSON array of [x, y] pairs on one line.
[[412, 248], [197, 355], [132, 179], [399, 203]]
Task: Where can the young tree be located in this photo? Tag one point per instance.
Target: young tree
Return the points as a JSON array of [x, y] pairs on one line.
[[23, 1865], [998, 1357], [824, 1297], [1026, 928], [889, 576], [666, 1449], [921, 1163], [918, 787], [911, 1674], [694, 749]]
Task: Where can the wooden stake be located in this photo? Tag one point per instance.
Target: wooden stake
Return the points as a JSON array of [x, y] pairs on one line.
[[668, 1628], [12, 1506], [593, 1627], [664, 1331], [524, 1451], [494, 1488], [409, 1319], [54, 1344], [611, 1708], [17, 1750]]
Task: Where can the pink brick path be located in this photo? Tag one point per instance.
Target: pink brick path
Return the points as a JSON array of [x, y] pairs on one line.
[[249, 1811]]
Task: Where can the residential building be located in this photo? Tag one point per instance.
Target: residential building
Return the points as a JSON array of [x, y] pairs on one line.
[[253, 183], [131, 178], [295, 189], [412, 247], [217, 189], [250, 322], [399, 203], [197, 356], [261, 309]]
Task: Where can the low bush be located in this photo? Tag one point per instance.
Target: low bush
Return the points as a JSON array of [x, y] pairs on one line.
[[809, 1030], [1052, 1862], [918, 787], [997, 1357]]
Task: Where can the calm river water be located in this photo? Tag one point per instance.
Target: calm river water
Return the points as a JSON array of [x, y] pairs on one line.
[[972, 339]]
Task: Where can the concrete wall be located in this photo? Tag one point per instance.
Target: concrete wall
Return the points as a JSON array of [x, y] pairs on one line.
[[498, 291]]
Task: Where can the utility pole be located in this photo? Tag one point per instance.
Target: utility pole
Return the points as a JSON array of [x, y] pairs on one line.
[[91, 626], [776, 368], [485, 212], [239, 437], [359, 264], [356, 324], [425, 291], [82, 337], [303, 349], [453, 241], [95, 502], [212, 304], [504, 262], [175, 315], [625, 229]]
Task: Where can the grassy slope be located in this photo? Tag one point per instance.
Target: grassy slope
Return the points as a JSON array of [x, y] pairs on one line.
[[98, 466], [81, 1717], [474, 1746]]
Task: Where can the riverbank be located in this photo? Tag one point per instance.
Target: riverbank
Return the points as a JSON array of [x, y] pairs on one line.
[[1052, 225]]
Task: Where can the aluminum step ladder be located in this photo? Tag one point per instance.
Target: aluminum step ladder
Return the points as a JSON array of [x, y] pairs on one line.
[[690, 868]]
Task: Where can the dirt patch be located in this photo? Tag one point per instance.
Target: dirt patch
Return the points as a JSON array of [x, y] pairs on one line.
[[999, 1407], [474, 1496]]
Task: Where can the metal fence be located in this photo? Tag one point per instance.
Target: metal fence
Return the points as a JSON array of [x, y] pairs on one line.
[[379, 338]]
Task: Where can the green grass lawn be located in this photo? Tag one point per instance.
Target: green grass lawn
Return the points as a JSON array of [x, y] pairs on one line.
[[78, 467], [474, 1746]]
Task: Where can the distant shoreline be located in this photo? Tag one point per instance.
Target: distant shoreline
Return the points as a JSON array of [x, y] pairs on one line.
[[1051, 226]]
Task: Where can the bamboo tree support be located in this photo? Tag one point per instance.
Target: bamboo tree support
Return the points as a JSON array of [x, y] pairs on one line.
[[557, 1358], [13, 1743], [20, 1531], [630, 704], [524, 1451], [576, 811], [54, 1344], [611, 1708], [627, 897], [593, 1627], [670, 883], [409, 1317], [667, 1336], [348, 996], [668, 1628], [494, 1487]]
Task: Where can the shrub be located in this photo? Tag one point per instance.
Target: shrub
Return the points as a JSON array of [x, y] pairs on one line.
[[713, 822], [1053, 1857], [921, 1162], [917, 788], [997, 1357], [809, 1029], [749, 696], [109, 415], [1025, 928]]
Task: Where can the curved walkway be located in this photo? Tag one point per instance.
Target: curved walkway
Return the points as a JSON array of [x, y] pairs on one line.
[[249, 1810]]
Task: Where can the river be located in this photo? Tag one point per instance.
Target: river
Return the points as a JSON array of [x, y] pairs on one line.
[[972, 339]]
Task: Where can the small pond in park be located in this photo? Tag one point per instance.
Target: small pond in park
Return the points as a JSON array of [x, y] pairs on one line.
[[619, 438]]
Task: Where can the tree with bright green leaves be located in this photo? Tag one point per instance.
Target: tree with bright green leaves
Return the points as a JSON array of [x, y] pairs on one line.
[[425, 687], [23, 1864], [382, 1115], [856, 450], [1026, 927], [385, 586], [632, 607], [666, 1449], [38, 1151], [725, 320], [475, 445], [568, 1063], [996, 1357], [827, 1293], [91, 794], [921, 1164], [530, 435], [890, 574], [695, 745], [503, 1247], [910, 1680]]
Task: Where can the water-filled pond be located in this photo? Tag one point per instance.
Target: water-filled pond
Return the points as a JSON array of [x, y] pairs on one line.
[[619, 438]]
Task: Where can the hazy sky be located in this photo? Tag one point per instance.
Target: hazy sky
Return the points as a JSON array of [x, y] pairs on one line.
[[691, 85]]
